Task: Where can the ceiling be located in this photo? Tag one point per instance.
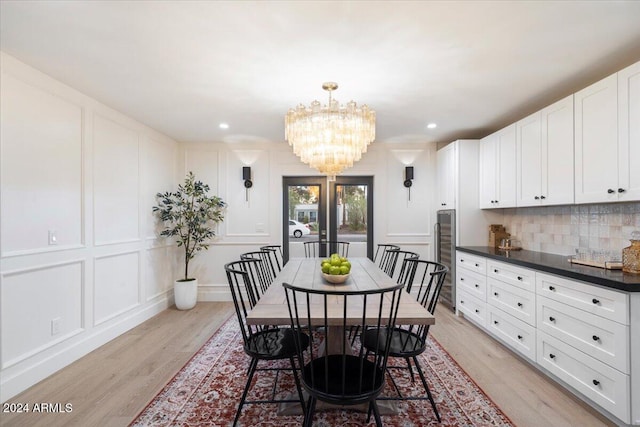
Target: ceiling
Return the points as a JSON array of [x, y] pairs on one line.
[[183, 67]]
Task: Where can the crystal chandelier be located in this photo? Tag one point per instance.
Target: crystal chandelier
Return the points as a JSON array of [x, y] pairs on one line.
[[330, 138]]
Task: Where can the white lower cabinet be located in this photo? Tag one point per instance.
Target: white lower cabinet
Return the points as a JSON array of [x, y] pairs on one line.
[[472, 308], [601, 383], [513, 332], [581, 333]]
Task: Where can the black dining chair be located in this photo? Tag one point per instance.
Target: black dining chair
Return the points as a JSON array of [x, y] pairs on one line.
[[312, 249], [395, 265], [381, 258], [261, 343], [423, 280], [266, 271], [332, 371], [276, 254]]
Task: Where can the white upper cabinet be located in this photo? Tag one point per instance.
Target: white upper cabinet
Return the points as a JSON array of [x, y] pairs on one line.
[[498, 169], [629, 133], [446, 166], [544, 146], [607, 126]]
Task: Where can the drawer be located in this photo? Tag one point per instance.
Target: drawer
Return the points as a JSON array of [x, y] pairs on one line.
[[472, 308], [603, 339], [604, 385], [471, 262], [513, 332], [514, 275], [516, 301], [473, 283], [593, 299]]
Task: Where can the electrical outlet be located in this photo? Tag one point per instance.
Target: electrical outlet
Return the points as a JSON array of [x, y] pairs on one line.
[[55, 326], [53, 237]]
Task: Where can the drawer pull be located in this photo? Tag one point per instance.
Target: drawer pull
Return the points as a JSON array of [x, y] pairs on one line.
[[477, 311], [596, 338], [596, 382], [519, 304], [519, 337], [595, 301], [462, 279], [495, 322], [552, 288], [610, 191], [461, 260], [552, 356], [537, 197], [461, 302], [552, 319], [476, 285], [495, 294], [621, 190], [495, 271], [519, 278], [477, 265], [542, 197]]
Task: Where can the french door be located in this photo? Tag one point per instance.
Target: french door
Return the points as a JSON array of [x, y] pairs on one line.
[[350, 214]]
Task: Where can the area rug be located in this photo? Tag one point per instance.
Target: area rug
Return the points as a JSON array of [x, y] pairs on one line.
[[206, 393]]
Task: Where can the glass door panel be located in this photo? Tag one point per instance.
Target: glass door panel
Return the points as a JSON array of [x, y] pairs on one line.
[[351, 214], [304, 216]]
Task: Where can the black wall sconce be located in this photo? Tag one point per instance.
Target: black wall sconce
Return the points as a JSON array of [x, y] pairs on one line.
[[408, 177], [246, 176]]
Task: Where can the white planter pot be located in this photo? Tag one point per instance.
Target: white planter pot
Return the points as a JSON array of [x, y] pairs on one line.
[[185, 293]]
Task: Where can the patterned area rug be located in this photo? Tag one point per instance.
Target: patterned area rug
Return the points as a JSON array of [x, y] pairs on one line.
[[207, 390]]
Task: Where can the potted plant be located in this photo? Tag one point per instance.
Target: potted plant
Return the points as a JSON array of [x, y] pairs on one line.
[[189, 215]]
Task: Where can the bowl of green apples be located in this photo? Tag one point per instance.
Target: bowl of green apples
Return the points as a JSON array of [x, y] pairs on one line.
[[335, 269]]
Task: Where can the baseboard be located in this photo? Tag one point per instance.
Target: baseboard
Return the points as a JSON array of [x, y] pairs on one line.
[[18, 378], [214, 293]]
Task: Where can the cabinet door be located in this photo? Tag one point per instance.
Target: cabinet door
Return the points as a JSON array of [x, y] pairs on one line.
[[629, 132], [506, 172], [596, 145], [557, 153], [529, 164], [446, 176], [488, 169]]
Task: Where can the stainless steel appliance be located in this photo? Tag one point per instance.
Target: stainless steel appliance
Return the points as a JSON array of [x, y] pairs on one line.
[[445, 246]]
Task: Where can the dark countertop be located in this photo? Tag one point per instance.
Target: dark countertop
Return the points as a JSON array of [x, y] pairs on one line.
[[559, 265]]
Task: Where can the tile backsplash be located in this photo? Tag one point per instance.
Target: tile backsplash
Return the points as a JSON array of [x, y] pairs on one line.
[[565, 230]]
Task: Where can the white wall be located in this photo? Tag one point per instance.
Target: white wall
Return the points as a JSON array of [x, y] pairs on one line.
[[88, 174], [258, 221]]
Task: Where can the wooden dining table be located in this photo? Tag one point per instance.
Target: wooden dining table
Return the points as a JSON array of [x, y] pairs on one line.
[[306, 273]]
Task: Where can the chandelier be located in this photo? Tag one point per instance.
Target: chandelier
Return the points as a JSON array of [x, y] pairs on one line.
[[330, 138]]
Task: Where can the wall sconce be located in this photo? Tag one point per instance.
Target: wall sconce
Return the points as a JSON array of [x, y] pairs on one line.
[[408, 176], [246, 175]]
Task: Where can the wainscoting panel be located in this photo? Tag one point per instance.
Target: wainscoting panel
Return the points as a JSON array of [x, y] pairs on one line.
[[115, 182], [40, 306], [41, 169], [117, 285], [160, 271]]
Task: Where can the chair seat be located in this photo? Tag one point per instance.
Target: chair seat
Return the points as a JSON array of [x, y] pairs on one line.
[[403, 342], [276, 343], [343, 379]]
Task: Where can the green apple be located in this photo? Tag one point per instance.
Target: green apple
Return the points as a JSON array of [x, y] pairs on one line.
[[334, 270]]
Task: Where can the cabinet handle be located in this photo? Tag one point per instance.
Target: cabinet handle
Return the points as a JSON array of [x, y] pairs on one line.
[[596, 382], [461, 260], [542, 197], [595, 301], [621, 190], [551, 288], [495, 322], [596, 338], [537, 198], [519, 278], [495, 294], [519, 304], [462, 279], [610, 191], [477, 311], [477, 265], [519, 337], [552, 319], [461, 302], [552, 356], [476, 285], [495, 271]]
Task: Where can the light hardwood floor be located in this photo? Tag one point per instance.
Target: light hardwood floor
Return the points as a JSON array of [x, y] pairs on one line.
[[111, 385]]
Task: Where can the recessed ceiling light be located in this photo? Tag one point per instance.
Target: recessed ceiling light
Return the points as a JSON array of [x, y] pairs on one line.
[[223, 126], [432, 126]]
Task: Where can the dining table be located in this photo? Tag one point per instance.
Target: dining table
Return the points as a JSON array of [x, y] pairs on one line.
[[272, 308]]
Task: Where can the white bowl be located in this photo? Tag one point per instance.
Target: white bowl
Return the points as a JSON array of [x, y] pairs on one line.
[[336, 279]]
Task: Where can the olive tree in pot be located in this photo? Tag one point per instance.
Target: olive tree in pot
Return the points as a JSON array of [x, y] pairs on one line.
[[189, 215]]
